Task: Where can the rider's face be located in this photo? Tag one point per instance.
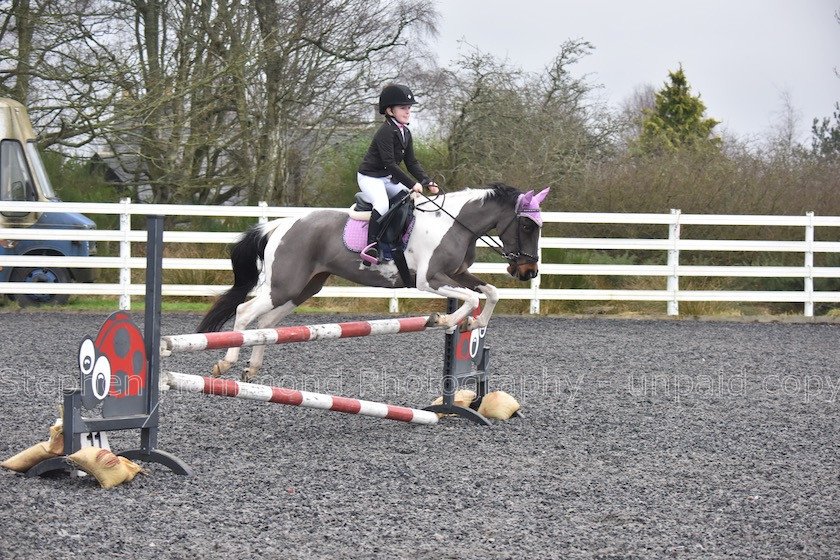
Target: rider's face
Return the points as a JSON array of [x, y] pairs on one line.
[[401, 112]]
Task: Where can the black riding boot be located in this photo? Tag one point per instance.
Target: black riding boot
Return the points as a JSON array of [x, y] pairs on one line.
[[372, 249]]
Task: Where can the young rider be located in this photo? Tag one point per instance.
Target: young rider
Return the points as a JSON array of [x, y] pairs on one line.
[[380, 176]]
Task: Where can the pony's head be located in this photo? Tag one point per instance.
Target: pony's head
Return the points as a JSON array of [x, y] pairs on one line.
[[521, 235]]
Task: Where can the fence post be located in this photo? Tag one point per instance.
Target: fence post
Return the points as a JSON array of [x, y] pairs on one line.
[[125, 255], [263, 219], [809, 265], [673, 263], [535, 283]]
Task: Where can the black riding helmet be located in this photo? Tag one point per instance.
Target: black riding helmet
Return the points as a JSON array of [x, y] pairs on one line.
[[395, 94]]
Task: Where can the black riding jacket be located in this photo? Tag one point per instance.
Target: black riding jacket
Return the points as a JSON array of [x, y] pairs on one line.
[[387, 151]]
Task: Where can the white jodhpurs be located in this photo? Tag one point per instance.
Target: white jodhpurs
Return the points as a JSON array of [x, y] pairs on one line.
[[379, 190]]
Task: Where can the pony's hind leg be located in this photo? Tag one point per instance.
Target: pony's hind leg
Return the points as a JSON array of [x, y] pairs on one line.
[[245, 314], [272, 317], [258, 352]]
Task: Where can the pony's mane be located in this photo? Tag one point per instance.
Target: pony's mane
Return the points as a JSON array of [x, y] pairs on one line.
[[501, 192]]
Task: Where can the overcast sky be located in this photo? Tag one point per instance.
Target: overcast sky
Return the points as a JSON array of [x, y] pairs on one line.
[[741, 56]]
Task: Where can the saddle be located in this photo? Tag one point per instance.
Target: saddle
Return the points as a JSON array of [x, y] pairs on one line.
[[395, 230]]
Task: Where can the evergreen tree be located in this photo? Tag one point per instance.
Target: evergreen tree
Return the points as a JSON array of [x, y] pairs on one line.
[[826, 136], [677, 120]]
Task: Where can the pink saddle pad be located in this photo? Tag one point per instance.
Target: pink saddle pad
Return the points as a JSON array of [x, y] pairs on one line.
[[355, 235]]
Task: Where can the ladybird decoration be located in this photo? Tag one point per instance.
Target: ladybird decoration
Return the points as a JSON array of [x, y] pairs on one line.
[[114, 368], [469, 346]]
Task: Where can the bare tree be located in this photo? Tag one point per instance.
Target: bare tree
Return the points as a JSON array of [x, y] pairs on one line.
[[209, 101], [324, 61], [530, 129], [53, 61]]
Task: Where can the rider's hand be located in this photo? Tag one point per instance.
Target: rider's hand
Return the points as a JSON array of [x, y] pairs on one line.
[[433, 188], [417, 187]]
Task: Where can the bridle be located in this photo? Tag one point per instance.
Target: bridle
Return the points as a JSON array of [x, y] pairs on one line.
[[515, 255], [512, 256]]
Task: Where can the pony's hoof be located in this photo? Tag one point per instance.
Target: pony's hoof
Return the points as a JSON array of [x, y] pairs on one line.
[[220, 368], [469, 324], [439, 320], [433, 320], [248, 375]]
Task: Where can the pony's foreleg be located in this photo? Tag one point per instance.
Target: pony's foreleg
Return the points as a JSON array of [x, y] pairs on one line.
[[450, 321], [483, 318], [450, 289], [462, 286], [468, 280]]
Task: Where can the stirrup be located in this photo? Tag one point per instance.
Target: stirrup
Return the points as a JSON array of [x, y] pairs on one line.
[[372, 258]]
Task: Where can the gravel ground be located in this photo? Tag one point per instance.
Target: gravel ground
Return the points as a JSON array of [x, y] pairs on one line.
[[641, 439]]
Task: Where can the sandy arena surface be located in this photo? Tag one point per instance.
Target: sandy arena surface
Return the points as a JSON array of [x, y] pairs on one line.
[[641, 439]]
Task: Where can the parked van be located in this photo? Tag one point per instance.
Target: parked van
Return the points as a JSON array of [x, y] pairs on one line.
[[24, 178]]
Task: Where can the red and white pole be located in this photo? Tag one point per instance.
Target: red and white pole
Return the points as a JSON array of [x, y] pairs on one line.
[[229, 388], [284, 335]]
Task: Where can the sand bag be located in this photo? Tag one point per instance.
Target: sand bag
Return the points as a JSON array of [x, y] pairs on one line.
[[498, 404], [28, 458], [108, 469], [461, 398]]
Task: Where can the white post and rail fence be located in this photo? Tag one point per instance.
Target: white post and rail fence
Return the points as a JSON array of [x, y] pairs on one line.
[[797, 235]]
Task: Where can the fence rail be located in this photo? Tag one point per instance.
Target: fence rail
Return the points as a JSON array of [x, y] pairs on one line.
[[671, 245]]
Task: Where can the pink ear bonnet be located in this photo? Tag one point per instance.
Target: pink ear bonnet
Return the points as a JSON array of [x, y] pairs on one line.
[[528, 205]]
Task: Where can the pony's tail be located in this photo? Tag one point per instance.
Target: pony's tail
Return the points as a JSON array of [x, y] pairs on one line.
[[244, 257]]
